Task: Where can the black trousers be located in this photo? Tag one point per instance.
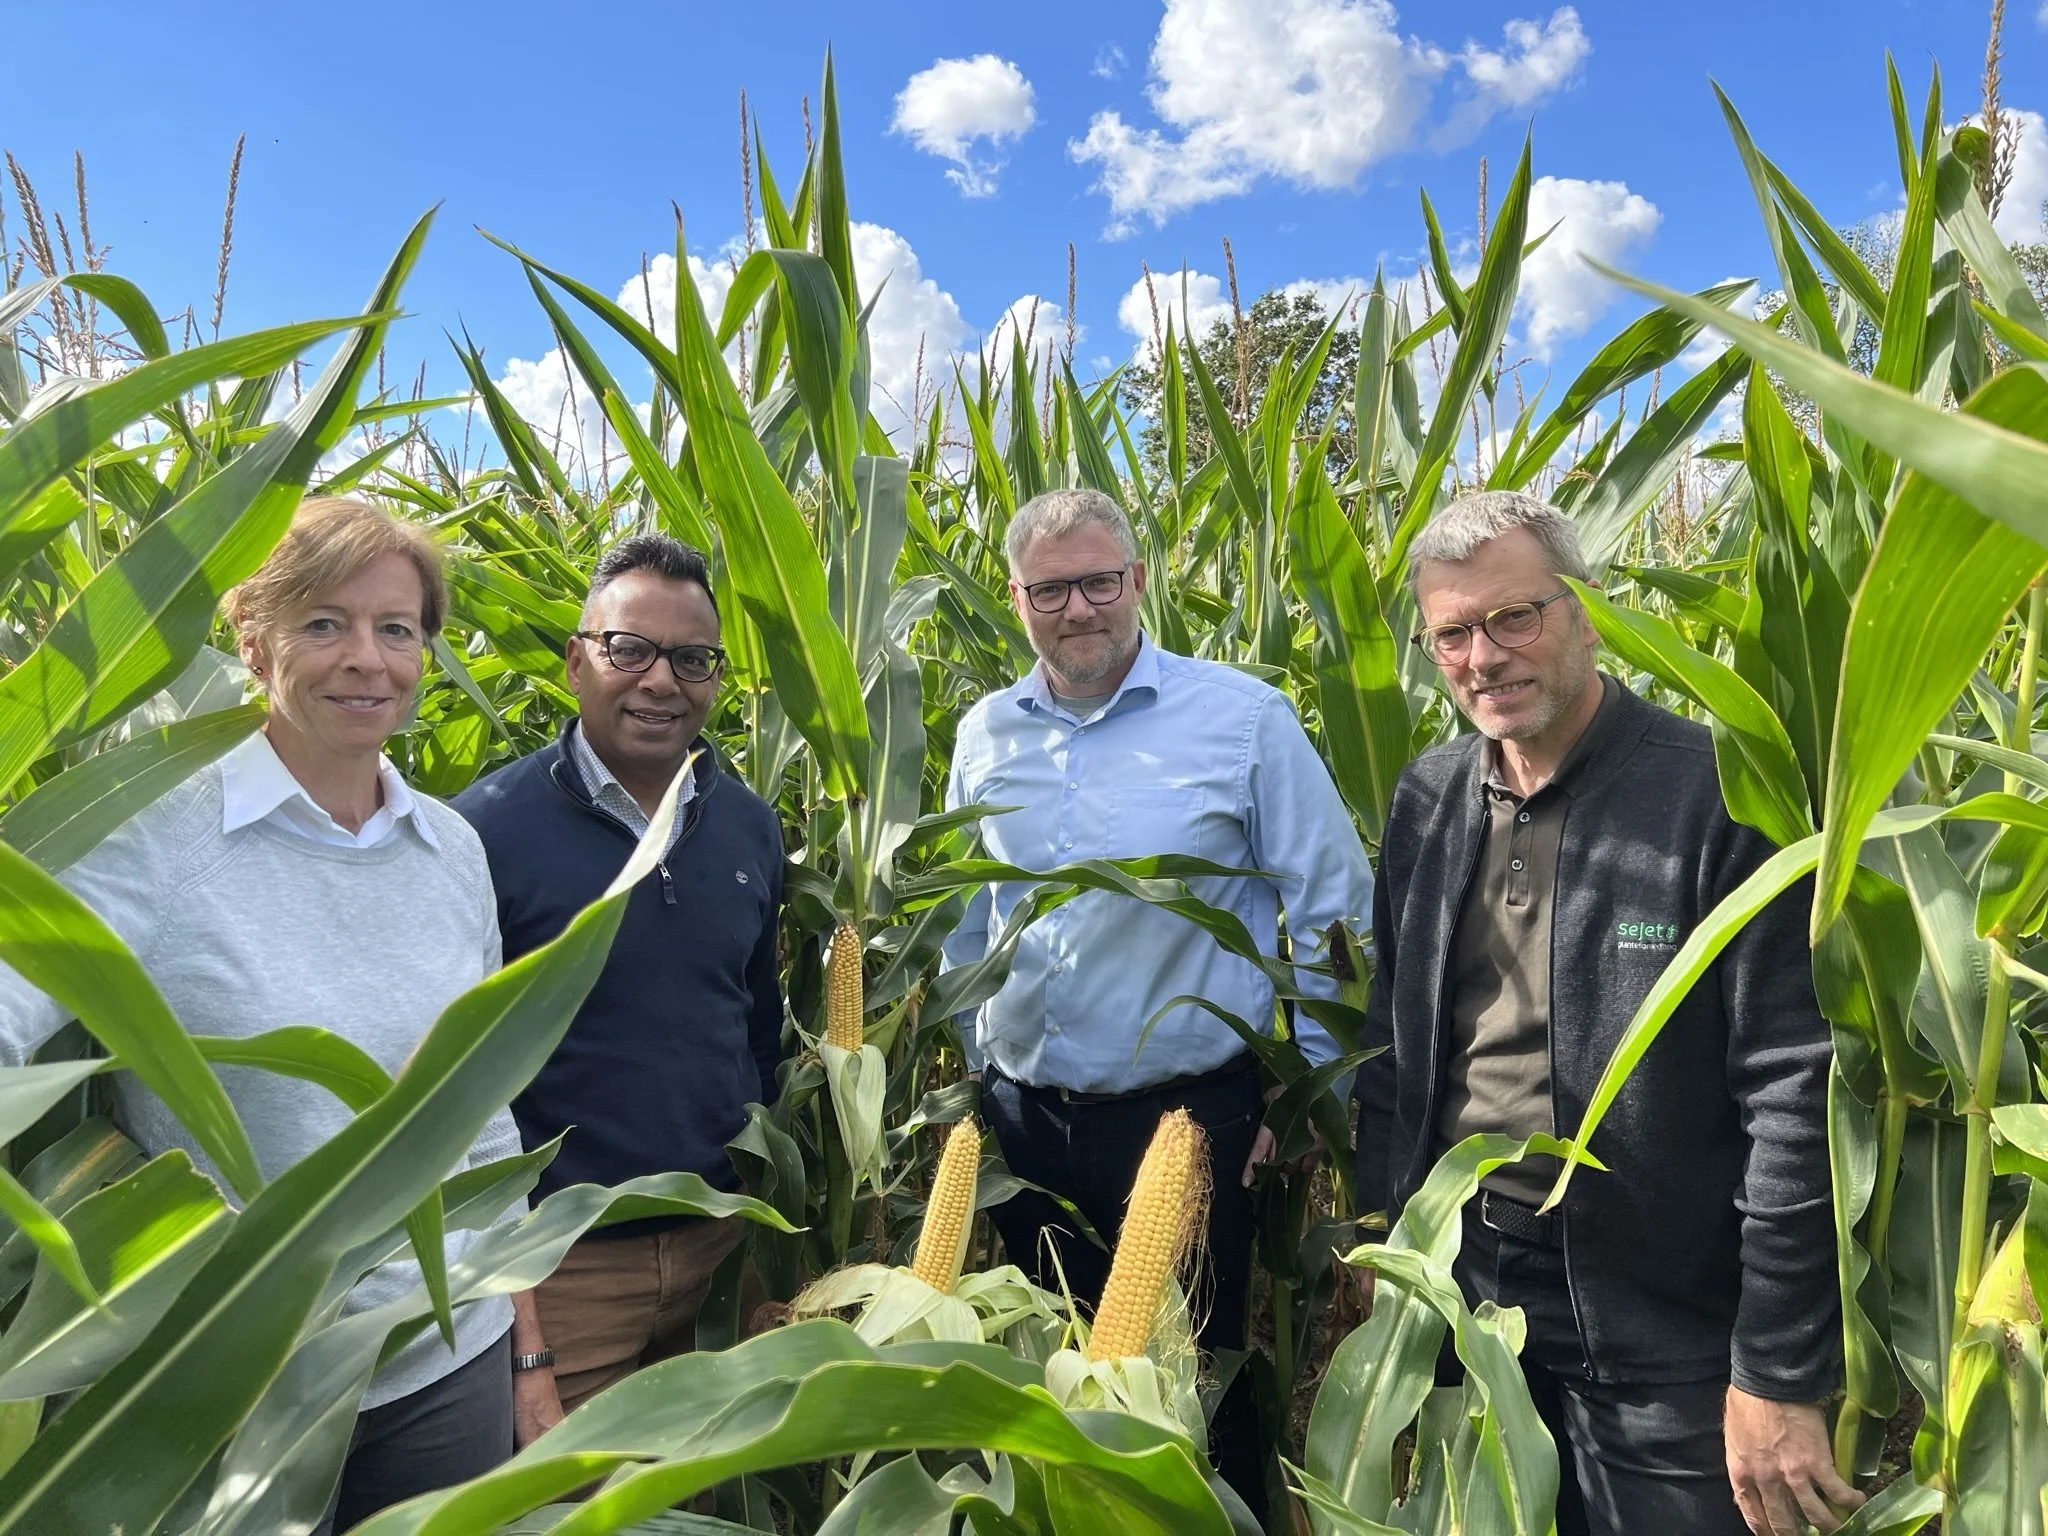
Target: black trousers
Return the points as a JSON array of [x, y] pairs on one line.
[[1632, 1457], [1089, 1153], [446, 1433]]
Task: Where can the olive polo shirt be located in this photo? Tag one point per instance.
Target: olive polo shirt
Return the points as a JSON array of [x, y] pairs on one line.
[[1498, 998]]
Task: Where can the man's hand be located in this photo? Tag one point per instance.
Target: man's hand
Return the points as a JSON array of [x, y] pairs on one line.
[[1782, 1467], [1265, 1144], [536, 1405]]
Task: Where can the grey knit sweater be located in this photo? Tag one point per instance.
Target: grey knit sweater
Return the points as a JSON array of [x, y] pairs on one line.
[[247, 931]]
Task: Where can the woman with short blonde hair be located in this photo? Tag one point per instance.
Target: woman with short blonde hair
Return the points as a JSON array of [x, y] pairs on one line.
[[300, 880]]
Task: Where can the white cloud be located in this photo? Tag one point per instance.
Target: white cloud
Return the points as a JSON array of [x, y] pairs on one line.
[[1193, 301], [1562, 296], [1536, 61], [2019, 213], [914, 328], [1196, 301], [1109, 62], [948, 109], [1309, 91]]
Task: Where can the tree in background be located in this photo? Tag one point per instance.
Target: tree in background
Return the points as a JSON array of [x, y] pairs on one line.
[[1241, 356]]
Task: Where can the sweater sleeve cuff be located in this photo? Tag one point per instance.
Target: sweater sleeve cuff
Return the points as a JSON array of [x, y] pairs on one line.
[[1815, 1384]]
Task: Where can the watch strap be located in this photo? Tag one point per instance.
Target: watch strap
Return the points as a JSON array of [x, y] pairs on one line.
[[533, 1362]]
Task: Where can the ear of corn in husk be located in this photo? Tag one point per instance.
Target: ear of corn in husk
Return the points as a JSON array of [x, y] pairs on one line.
[[845, 995], [1161, 1386], [949, 1215], [892, 1306], [1168, 1209]]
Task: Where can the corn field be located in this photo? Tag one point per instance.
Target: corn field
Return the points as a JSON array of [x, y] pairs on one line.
[[1847, 590]]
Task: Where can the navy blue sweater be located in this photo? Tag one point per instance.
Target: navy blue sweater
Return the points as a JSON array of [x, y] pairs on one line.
[[684, 1026]]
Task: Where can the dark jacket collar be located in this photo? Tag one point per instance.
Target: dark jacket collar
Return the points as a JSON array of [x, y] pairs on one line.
[[1569, 772]]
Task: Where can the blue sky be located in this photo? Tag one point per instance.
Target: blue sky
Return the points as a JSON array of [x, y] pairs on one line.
[[1300, 129]]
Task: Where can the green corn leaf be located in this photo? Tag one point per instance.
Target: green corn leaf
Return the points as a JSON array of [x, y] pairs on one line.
[[1367, 735], [1760, 776], [60, 946], [815, 1391], [66, 817], [146, 613], [1490, 303], [285, 1459], [773, 560], [139, 1240], [1968, 226], [1940, 584], [1649, 343], [1635, 477], [178, 1396], [43, 447], [1706, 942]]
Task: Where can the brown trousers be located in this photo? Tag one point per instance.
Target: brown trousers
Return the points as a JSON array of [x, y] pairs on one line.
[[614, 1305]]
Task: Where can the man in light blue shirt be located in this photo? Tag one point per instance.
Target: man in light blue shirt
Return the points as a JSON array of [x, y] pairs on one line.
[[1113, 748]]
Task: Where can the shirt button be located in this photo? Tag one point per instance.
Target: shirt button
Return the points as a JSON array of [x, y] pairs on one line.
[[1523, 817], [1072, 785], [1070, 842], [1057, 968], [1516, 865]]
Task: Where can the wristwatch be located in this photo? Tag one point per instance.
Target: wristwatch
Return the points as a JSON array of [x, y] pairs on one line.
[[533, 1362]]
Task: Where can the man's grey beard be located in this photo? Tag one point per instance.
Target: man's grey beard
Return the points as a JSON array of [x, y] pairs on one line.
[[1125, 648]]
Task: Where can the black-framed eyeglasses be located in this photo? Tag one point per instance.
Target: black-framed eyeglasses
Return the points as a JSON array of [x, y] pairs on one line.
[[1098, 587], [636, 653], [1510, 626]]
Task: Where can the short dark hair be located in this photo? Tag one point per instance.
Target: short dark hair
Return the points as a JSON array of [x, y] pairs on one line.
[[655, 552]]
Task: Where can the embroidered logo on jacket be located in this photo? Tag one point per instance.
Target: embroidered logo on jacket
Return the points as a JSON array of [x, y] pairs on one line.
[[1630, 933]]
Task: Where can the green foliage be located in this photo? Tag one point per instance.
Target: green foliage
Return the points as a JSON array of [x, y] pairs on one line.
[[1846, 594]]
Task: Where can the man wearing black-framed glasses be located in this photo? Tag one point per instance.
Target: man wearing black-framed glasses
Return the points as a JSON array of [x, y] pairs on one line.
[[1535, 879], [1114, 747], [684, 1026]]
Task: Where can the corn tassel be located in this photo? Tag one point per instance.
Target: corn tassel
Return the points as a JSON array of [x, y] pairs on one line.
[[1169, 1206], [949, 1215], [845, 998]]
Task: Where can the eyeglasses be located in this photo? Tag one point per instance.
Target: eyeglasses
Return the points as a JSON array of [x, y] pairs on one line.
[[1099, 588], [636, 653], [1510, 627]]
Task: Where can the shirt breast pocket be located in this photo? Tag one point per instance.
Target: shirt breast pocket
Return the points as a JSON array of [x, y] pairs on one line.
[[1155, 819]]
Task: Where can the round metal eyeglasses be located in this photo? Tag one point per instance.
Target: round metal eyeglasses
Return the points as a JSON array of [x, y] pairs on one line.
[[636, 653], [1098, 588], [1511, 627]]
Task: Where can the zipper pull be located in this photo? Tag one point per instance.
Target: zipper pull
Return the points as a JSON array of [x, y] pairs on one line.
[[668, 886]]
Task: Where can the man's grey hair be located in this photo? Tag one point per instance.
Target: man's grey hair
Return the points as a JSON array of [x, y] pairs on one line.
[[1480, 518], [1054, 513]]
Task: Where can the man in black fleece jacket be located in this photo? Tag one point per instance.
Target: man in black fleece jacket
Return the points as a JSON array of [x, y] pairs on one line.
[[1536, 876], [684, 1026]]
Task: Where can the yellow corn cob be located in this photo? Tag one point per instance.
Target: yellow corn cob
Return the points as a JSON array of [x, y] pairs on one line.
[[845, 1001], [1168, 1207], [949, 1216]]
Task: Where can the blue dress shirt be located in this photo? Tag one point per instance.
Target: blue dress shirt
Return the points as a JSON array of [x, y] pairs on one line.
[[1186, 757]]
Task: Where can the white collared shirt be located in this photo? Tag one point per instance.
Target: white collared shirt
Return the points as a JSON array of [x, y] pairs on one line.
[[256, 786]]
